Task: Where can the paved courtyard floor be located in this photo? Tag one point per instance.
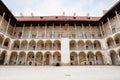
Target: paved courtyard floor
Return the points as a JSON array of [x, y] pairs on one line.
[[60, 73]]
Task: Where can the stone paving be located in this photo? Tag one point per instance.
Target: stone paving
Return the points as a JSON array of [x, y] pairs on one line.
[[60, 73]]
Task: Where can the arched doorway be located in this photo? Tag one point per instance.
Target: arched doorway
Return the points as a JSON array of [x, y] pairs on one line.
[[13, 58], [90, 57], [57, 58], [89, 45], [47, 58], [57, 45], [73, 58], [40, 45], [114, 57], [117, 39], [2, 57], [32, 45], [6, 43], [82, 58], [22, 57], [24, 45], [73, 45], [30, 58], [81, 45], [99, 58], [48, 45], [39, 58], [97, 45], [110, 42]]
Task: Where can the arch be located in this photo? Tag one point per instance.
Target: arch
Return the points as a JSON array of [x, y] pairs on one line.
[[89, 44], [13, 58], [47, 58], [117, 39], [81, 45], [56, 58], [1, 39], [72, 45], [16, 44], [6, 43], [90, 57], [73, 58], [40, 45], [57, 45], [30, 58], [114, 57], [22, 56], [82, 58], [97, 44], [110, 42], [24, 45], [48, 45], [3, 57], [39, 58], [32, 45], [99, 58]]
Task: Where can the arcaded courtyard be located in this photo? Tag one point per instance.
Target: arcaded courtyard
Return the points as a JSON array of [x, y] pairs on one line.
[[59, 73]]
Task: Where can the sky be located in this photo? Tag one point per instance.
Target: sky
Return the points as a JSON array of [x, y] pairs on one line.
[[57, 7]]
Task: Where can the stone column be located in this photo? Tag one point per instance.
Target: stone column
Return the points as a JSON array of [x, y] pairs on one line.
[[30, 31], [103, 28], [45, 31], [90, 31], [23, 31], [17, 60], [2, 18], [38, 31], [95, 59], [7, 26], [83, 33], [86, 59], [109, 25]]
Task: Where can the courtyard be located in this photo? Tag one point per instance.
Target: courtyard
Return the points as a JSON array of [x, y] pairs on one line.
[[59, 73]]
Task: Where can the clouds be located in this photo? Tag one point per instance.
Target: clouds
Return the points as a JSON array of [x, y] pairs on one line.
[[56, 7]]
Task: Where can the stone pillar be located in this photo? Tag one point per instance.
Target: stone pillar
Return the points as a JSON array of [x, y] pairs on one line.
[[2, 18], [83, 33], [95, 59], [86, 59], [26, 59], [7, 26], [30, 31], [109, 25], [3, 42], [117, 16], [34, 59], [90, 31], [60, 31], [17, 60], [103, 28], [23, 31], [38, 31], [53, 31], [45, 31]]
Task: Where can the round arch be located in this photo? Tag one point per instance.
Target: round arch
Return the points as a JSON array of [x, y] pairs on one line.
[[99, 58], [1, 39], [16, 44], [90, 57], [72, 45], [22, 56], [39, 58], [13, 58], [110, 42], [114, 57], [32, 45], [56, 58], [81, 45], [117, 39], [73, 58], [97, 44], [3, 57], [82, 58], [30, 58], [89, 44], [48, 45], [47, 58], [57, 45], [24, 45], [40, 45]]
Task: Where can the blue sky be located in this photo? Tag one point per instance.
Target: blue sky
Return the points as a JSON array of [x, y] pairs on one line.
[[57, 7]]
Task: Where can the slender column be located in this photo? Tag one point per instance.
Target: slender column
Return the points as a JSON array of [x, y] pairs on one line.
[[17, 61], [68, 30], [3, 42], [95, 59], [2, 18], [34, 59], [6, 59], [75, 30], [45, 31], [109, 25], [83, 33], [26, 59], [117, 16], [103, 29], [118, 61], [100, 30], [53, 31], [38, 32], [28, 45], [30, 31], [7, 26], [60, 31], [23, 31], [86, 59], [90, 31]]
